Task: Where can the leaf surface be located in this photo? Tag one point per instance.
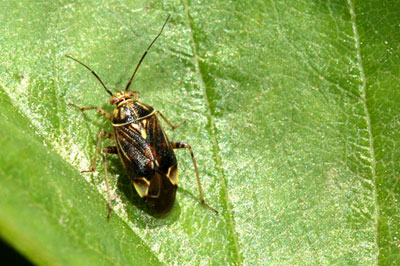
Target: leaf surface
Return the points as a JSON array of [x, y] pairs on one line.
[[291, 108]]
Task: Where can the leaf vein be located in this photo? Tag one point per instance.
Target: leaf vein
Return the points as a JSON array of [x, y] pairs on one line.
[[218, 159], [363, 96]]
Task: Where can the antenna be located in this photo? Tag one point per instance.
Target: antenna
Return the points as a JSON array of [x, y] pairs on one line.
[[94, 73], [145, 53]]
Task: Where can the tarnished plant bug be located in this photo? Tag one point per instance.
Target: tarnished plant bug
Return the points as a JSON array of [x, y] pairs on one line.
[[142, 146]]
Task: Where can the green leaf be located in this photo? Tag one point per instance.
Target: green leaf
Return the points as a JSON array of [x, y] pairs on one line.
[[292, 110]]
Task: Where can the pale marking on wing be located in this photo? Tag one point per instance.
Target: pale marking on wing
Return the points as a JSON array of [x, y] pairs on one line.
[[151, 164], [156, 196], [127, 136], [124, 102], [144, 123], [119, 148], [135, 128], [122, 150], [141, 118], [146, 152], [122, 115], [143, 133], [142, 105], [172, 174], [115, 113], [142, 188], [146, 116]]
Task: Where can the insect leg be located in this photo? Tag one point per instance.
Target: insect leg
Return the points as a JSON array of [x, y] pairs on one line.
[[180, 145], [98, 109], [101, 134], [110, 149], [168, 122]]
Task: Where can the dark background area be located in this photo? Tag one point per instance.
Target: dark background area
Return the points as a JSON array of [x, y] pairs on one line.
[[10, 256]]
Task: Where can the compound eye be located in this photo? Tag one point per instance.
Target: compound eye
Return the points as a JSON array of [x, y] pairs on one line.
[[131, 94], [113, 100]]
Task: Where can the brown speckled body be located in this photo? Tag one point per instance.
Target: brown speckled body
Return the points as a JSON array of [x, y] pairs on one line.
[[146, 154]]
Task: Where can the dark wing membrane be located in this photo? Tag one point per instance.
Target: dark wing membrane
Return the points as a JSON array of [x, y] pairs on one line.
[[134, 150], [143, 147], [158, 141], [143, 109]]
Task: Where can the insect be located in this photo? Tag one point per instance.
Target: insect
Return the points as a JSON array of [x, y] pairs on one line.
[[142, 146]]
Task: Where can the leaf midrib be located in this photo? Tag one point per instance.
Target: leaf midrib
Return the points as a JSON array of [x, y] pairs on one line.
[[214, 138], [363, 98]]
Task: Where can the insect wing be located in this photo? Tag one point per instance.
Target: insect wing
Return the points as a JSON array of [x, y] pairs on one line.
[[134, 150], [144, 146], [158, 140]]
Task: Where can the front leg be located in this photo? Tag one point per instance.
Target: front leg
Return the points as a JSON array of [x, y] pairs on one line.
[[98, 109]]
